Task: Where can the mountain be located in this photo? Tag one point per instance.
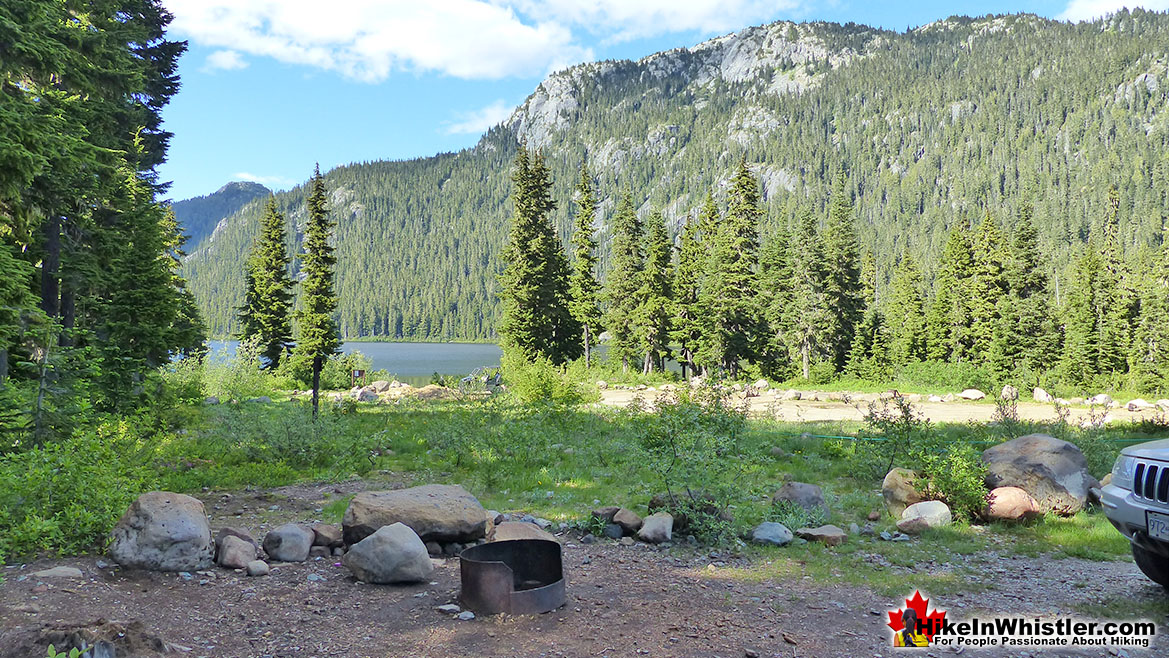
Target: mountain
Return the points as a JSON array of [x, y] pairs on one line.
[[931, 127], [199, 216]]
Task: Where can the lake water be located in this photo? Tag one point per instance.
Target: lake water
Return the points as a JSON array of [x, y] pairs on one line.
[[410, 363]]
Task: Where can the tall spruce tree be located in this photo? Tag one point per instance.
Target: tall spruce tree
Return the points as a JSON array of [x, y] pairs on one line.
[[948, 322], [687, 324], [906, 312], [775, 299], [266, 314], [537, 320], [1026, 339], [623, 283], [810, 317], [584, 289], [652, 319], [1078, 361], [868, 356], [842, 274], [1114, 298], [1150, 354], [316, 318], [728, 296], [985, 287]]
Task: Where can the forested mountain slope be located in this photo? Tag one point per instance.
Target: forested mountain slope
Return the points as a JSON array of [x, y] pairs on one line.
[[199, 216], [931, 127]]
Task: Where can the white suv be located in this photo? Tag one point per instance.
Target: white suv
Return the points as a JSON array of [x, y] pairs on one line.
[[1137, 503]]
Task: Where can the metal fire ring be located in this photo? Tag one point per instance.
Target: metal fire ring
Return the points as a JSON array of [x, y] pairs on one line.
[[518, 577]]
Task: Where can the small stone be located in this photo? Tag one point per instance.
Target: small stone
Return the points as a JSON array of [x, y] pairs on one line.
[[588, 539], [186, 576], [830, 535], [854, 528], [875, 515], [320, 551], [59, 572], [102, 564], [449, 609], [258, 568], [770, 532], [629, 520], [627, 541], [339, 551], [885, 536], [434, 548], [315, 578], [289, 543], [465, 615], [613, 531], [657, 528]]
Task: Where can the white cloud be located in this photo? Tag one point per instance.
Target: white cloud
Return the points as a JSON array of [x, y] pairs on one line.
[[1086, 10], [225, 60], [270, 181], [479, 39], [478, 121]]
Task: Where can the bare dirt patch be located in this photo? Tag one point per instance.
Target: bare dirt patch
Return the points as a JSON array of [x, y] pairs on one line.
[[623, 601]]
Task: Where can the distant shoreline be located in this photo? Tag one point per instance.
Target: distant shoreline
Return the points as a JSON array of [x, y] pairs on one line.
[[380, 339]]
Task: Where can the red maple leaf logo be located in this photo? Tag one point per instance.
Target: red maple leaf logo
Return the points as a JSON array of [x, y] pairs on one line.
[[930, 622]]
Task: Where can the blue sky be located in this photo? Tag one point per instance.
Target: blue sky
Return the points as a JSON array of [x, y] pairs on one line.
[[269, 87]]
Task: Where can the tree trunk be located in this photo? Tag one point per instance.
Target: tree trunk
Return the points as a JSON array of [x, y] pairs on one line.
[[586, 347], [50, 267], [68, 313], [805, 360], [316, 384]]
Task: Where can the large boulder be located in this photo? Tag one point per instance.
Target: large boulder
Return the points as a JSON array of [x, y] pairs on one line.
[[1103, 399], [392, 554], [289, 543], [163, 531], [1010, 504], [827, 534], [513, 530], [327, 534], [1040, 395], [807, 496], [436, 512], [1139, 405], [771, 533], [1052, 471], [1009, 393], [972, 394], [900, 490], [380, 386], [657, 528], [926, 514]]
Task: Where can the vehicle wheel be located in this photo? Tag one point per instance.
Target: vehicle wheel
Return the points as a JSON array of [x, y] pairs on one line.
[[1155, 566]]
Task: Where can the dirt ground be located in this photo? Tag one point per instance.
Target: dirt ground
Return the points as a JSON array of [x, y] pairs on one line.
[[824, 410], [623, 601]]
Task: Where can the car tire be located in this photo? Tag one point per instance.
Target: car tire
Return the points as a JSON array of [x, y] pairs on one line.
[[1155, 566]]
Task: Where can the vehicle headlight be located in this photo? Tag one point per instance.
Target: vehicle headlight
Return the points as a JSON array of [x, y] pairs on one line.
[[1122, 472]]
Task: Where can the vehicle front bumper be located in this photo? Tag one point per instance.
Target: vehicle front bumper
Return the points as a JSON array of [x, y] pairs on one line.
[[1127, 513]]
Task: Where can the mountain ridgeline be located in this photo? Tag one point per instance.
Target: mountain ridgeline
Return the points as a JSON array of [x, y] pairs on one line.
[[929, 129], [200, 215]]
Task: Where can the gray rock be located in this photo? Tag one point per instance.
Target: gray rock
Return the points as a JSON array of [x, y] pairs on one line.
[[58, 572], [433, 548], [588, 539], [657, 528], [923, 515], [393, 554], [442, 513], [972, 394], [320, 551], [163, 531], [263, 399], [234, 553], [449, 609], [258, 568], [465, 615], [211, 400], [1052, 471], [1102, 399], [829, 535], [1040, 395], [885, 536], [1009, 393], [235, 532], [327, 534], [629, 521], [510, 531], [289, 543], [807, 496], [613, 531], [899, 490], [769, 532], [605, 513], [854, 529]]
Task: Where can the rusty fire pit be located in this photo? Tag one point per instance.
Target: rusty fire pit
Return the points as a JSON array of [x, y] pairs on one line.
[[519, 577]]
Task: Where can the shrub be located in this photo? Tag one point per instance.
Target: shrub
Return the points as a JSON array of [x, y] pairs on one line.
[[183, 381], [337, 372], [239, 376], [793, 516], [939, 375], [540, 381], [65, 496]]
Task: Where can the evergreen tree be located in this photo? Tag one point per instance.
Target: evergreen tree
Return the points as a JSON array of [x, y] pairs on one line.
[[652, 319], [868, 356], [842, 274], [906, 309], [809, 316], [1150, 360], [1114, 299], [537, 320], [728, 296], [776, 295], [985, 287], [1078, 361], [316, 318], [948, 322], [623, 282], [266, 314], [687, 324], [584, 289], [1025, 339]]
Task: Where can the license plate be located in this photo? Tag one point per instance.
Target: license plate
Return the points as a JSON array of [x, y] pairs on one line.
[[1158, 524]]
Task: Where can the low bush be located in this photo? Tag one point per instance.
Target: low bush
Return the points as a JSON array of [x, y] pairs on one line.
[[942, 376], [541, 382]]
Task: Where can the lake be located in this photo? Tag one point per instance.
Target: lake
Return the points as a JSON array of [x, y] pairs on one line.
[[410, 363]]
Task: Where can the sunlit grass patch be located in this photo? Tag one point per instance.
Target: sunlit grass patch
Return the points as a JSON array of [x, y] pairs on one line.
[[1086, 535]]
